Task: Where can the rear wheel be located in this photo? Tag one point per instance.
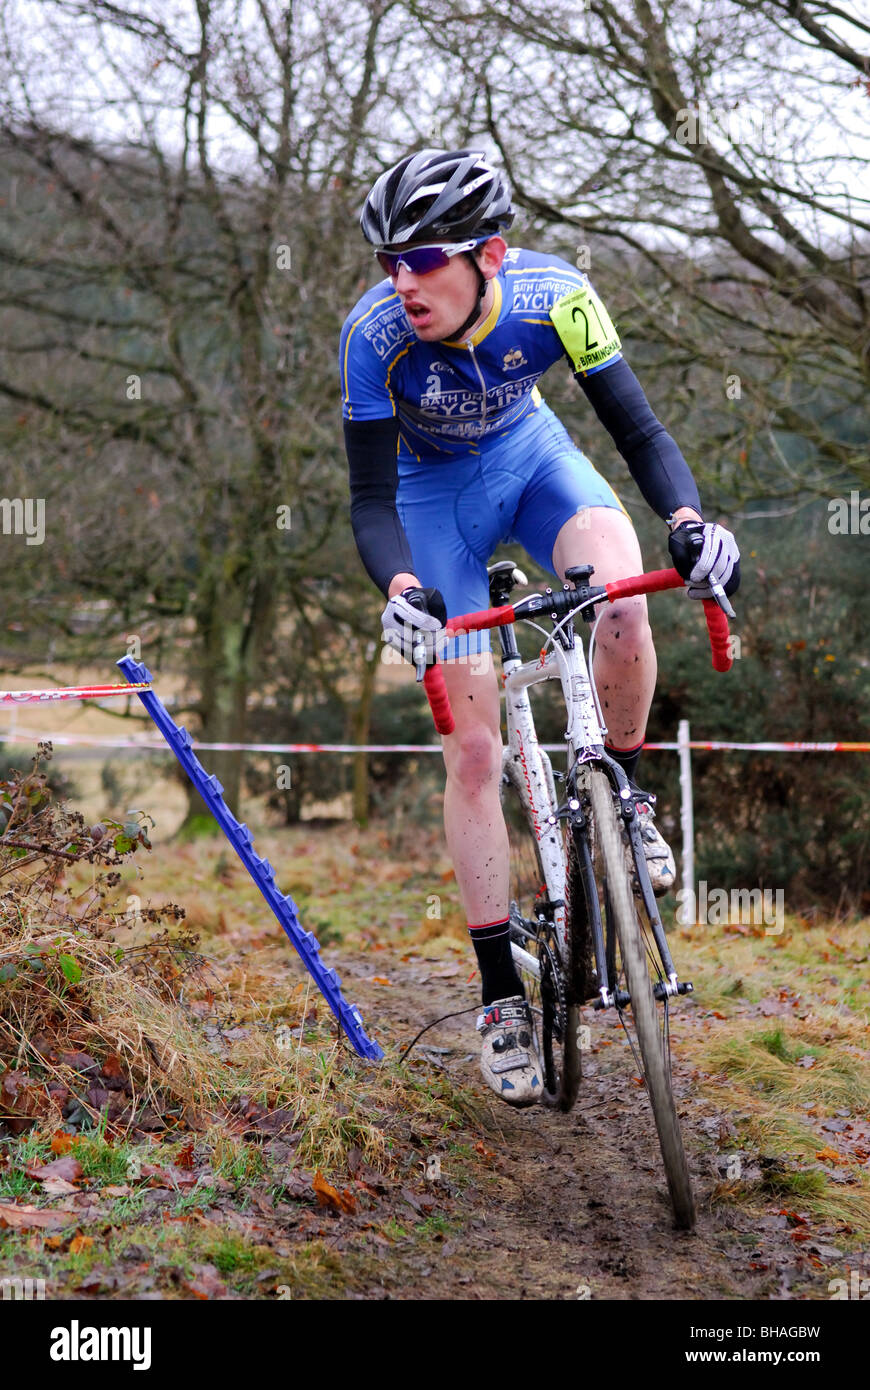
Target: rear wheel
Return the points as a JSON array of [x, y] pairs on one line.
[[630, 963], [532, 930]]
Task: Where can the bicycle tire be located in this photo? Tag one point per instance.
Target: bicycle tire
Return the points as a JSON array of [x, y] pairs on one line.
[[622, 916], [553, 1004]]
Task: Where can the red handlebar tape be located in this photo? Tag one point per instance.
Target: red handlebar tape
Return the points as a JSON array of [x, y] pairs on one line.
[[436, 688], [650, 583], [487, 617], [717, 627], [717, 622]]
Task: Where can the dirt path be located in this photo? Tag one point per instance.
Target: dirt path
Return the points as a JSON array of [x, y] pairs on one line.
[[575, 1206]]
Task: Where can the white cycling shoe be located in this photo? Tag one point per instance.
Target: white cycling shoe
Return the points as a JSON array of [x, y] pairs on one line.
[[509, 1059]]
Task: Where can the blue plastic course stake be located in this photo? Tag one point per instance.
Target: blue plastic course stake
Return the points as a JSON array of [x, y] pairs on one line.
[[261, 870]]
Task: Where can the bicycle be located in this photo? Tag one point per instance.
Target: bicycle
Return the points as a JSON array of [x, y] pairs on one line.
[[581, 929]]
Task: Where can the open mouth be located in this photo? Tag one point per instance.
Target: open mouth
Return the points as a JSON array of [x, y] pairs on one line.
[[419, 315]]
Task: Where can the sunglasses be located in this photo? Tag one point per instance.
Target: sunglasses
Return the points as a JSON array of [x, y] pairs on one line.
[[422, 260]]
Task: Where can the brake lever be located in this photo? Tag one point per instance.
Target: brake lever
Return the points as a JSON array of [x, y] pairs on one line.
[[420, 657], [721, 598]]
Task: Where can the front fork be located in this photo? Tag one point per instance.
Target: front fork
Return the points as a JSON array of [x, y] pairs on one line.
[[669, 984]]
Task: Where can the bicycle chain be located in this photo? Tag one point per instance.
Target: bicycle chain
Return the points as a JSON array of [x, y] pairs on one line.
[[552, 977]]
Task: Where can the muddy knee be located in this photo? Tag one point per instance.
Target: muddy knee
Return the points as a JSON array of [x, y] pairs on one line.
[[474, 759], [625, 628]]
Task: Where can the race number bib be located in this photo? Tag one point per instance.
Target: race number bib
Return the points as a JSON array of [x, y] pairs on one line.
[[585, 329]]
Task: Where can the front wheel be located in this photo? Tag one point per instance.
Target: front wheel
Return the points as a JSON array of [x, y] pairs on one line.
[[548, 990], [621, 915]]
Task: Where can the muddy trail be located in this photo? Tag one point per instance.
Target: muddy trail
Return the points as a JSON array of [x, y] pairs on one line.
[[576, 1206]]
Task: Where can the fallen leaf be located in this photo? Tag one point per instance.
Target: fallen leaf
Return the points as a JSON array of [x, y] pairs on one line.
[[206, 1283], [806, 1061], [273, 1123], [185, 1157], [480, 1148], [380, 980], [829, 1155], [67, 1168], [81, 1062], [24, 1217], [57, 1187], [773, 1008], [121, 1189], [21, 1100], [329, 1196], [168, 1176], [79, 1243], [61, 1143], [297, 1184], [421, 1205]]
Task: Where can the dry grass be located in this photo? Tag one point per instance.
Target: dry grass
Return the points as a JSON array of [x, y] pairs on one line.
[[778, 1041]]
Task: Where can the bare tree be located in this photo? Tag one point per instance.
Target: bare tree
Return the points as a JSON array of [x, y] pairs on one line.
[[174, 273], [720, 151]]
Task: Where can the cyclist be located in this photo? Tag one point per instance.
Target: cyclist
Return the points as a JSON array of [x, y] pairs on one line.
[[451, 450]]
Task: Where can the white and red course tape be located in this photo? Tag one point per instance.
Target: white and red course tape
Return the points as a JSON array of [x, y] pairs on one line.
[[69, 692], [99, 692]]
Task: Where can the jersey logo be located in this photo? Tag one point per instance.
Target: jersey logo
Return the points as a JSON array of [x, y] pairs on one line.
[[514, 358]]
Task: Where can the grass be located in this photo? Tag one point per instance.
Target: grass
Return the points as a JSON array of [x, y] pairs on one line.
[[245, 1022], [778, 1038], [211, 1038]]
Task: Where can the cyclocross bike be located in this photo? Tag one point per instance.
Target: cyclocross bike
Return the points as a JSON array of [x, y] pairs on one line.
[[585, 926]]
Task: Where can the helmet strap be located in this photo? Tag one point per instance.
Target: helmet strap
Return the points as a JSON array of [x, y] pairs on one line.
[[478, 303]]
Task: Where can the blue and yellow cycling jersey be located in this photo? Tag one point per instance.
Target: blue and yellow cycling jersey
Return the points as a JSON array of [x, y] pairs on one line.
[[451, 397], [451, 449]]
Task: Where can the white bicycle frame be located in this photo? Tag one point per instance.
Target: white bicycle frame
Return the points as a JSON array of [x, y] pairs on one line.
[[527, 766]]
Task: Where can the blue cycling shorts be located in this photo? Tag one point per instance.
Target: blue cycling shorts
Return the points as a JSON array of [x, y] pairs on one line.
[[521, 487]]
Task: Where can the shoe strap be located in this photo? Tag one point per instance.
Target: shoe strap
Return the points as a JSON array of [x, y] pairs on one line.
[[502, 1013]]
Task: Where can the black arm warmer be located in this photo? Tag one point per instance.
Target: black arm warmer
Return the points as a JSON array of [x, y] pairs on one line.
[[653, 457], [374, 477]]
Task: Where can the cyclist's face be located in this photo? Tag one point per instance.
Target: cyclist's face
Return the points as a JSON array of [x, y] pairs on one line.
[[438, 303]]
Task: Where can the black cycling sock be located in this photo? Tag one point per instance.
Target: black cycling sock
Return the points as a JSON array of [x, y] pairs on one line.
[[628, 759], [498, 973]]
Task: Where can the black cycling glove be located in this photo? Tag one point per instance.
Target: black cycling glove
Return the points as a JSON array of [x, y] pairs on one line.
[[413, 619], [703, 552]]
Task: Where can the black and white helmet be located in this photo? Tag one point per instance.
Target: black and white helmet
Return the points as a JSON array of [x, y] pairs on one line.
[[436, 195]]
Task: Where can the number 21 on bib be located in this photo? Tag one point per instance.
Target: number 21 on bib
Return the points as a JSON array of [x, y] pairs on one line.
[[585, 329]]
